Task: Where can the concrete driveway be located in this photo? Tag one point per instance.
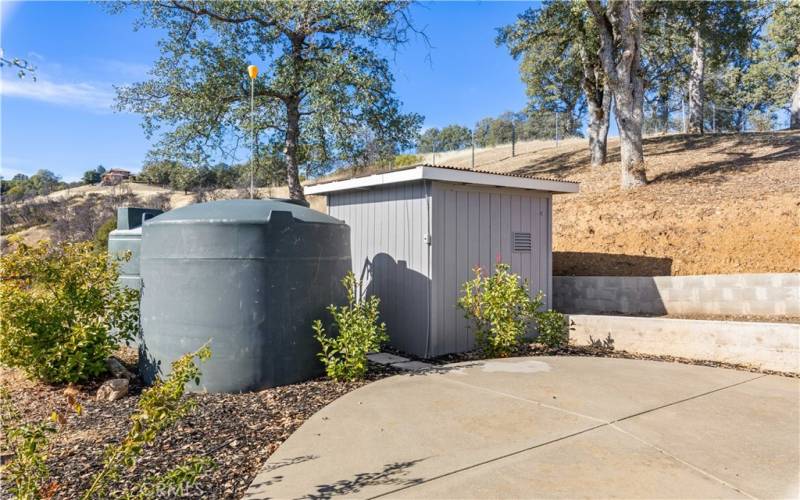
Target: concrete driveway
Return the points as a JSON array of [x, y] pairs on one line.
[[549, 427]]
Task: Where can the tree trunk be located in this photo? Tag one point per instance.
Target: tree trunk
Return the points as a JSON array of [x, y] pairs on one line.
[[598, 98], [696, 79], [663, 112], [628, 105], [292, 139], [599, 117], [620, 52], [794, 109]]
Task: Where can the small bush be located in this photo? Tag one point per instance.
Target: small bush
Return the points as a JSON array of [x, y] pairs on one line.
[[405, 160], [101, 236], [358, 333], [500, 308], [159, 407], [553, 329], [62, 311], [26, 472], [160, 201]]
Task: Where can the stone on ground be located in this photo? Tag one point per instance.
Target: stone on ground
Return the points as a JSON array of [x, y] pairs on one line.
[[112, 390]]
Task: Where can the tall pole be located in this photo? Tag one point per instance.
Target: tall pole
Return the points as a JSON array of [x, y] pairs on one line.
[[713, 118], [513, 138], [556, 129], [473, 148], [683, 113], [253, 72]]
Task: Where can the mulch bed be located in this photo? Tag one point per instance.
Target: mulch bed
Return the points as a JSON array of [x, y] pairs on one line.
[[237, 431]]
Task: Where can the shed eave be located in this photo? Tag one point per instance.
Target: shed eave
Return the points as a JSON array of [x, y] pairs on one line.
[[444, 175], [498, 180]]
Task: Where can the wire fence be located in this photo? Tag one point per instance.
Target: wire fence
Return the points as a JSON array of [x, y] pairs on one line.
[[659, 119], [674, 118]]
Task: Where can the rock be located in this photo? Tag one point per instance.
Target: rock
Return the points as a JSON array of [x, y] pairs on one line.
[[112, 390], [118, 369]]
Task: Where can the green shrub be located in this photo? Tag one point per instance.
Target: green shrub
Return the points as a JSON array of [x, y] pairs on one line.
[[357, 333], [553, 329], [101, 236], [406, 160], [500, 308], [159, 407], [26, 472], [62, 312]]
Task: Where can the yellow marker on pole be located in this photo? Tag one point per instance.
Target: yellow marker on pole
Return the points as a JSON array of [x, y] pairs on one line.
[[252, 71]]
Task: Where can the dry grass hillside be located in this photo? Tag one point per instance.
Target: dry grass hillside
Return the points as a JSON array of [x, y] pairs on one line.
[[70, 198], [714, 204]]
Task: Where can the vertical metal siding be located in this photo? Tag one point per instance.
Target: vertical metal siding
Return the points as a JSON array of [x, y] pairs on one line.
[[387, 227], [472, 226], [419, 284]]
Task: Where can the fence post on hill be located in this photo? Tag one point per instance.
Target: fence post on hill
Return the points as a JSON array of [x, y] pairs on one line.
[[473, 148], [683, 114], [713, 118], [556, 129], [513, 138]]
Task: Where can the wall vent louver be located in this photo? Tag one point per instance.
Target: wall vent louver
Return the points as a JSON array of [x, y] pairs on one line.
[[521, 242]]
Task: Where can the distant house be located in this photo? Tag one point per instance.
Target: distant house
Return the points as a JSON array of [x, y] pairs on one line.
[[114, 177]]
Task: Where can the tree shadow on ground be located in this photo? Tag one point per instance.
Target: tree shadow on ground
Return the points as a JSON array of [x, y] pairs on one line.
[[573, 161], [562, 164], [391, 474], [277, 465], [737, 161]]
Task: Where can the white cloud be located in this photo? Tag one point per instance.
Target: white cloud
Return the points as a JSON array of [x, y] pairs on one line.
[[6, 10], [80, 94]]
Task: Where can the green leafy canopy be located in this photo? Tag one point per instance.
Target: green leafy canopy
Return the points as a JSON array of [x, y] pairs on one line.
[[323, 95]]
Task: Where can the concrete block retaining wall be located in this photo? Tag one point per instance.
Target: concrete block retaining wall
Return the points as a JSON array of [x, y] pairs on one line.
[[732, 294], [769, 346]]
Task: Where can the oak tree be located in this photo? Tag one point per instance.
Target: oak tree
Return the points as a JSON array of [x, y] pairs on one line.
[[558, 46], [322, 81]]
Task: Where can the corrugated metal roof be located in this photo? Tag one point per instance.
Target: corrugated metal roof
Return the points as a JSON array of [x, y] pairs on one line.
[[509, 174], [448, 167]]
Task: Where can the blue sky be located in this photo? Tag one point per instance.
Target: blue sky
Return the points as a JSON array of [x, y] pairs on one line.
[[64, 123]]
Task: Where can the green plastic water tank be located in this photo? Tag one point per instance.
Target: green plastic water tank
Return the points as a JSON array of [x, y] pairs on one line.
[[250, 276], [128, 238]]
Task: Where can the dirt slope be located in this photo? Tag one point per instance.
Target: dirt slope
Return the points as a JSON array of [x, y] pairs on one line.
[[714, 204]]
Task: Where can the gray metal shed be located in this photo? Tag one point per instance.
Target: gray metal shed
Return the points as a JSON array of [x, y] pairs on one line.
[[416, 234]]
